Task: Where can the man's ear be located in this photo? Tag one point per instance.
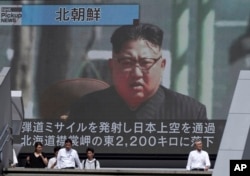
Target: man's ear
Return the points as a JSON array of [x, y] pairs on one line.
[[163, 63]]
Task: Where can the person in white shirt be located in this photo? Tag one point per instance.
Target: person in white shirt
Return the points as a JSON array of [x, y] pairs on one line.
[[90, 162], [198, 159], [15, 161], [52, 161], [67, 157]]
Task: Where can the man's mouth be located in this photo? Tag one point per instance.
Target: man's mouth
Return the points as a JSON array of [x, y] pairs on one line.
[[137, 86]]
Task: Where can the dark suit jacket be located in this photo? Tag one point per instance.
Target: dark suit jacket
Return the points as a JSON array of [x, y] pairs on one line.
[[164, 105]]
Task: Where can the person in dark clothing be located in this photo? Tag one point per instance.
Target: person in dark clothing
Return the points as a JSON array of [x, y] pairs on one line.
[[136, 67], [37, 159]]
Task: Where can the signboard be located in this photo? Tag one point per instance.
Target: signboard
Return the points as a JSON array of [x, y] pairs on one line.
[[115, 137]]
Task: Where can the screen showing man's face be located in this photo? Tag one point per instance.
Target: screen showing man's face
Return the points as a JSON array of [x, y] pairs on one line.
[[137, 70]]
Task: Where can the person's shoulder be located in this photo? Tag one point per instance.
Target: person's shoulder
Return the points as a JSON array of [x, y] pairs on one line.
[[61, 150], [203, 151], [44, 154], [74, 150], [193, 151], [95, 159], [96, 95], [99, 93], [32, 155], [86, 105], [176, 96]]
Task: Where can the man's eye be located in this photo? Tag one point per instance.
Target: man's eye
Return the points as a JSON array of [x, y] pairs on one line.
[[146, 62], [126, 62]]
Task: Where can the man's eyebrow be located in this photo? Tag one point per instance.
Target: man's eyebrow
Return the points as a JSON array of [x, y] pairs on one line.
[[126, 57], [140, 58], [151, 57]]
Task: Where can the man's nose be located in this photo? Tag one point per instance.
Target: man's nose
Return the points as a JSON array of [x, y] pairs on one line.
[[137, 71]]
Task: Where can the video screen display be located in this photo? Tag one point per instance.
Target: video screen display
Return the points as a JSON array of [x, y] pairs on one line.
[[136, 77]]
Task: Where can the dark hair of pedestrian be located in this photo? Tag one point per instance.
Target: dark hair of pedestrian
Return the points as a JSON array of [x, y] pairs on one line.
[[37, 144], [68, 141], [90, 149]]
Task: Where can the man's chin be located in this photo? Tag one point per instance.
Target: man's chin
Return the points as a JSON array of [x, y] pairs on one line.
[[139, 96]]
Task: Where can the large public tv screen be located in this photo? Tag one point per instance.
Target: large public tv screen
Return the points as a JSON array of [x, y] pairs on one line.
[[61, 51]]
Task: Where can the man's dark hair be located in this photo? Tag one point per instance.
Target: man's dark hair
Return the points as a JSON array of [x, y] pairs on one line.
[[68, 141], [144, 31], [90, 149], [56, 148]]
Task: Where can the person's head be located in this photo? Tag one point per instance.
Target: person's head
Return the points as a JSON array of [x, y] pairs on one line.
[[56, 149], [38, 147], [198, 144], [90, 153], [68, 144], [137, 64]]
